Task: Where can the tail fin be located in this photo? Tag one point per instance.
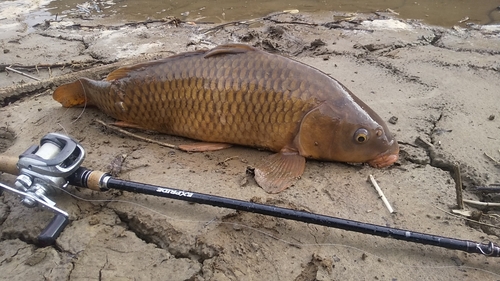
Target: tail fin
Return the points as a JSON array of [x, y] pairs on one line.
[[72, 94]]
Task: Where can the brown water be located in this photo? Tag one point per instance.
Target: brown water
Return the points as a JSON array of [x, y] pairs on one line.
[[436, 12]]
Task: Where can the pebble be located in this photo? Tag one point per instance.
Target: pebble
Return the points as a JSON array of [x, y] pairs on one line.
[[393, 120]]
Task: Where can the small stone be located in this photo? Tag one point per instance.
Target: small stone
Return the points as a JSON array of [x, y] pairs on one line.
[[393, 120], [317, 43], [492, 117]]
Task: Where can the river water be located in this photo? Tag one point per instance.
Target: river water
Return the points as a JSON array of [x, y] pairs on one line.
[[435, 12]]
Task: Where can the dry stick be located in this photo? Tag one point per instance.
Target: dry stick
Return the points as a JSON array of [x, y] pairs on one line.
[[492, 159], [381, 194], [37, 67], [215, 28], [22, 73], [116, 129], [458, 185], [467, 219], [487, 189], [247, 22], [39, 86], [482, 204]]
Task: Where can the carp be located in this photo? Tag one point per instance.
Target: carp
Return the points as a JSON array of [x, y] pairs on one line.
[[237, 94]]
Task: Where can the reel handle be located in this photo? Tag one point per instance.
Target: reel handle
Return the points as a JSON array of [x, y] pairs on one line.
[[50, 233]]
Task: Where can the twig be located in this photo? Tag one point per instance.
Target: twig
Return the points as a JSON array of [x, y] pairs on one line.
[[220, 26], [381, 194], [116, 129], [247, 22], [167, 20], [392, 11], [463, 20], [224, 163], [487, 189], [22, 73], [467, 219], [37, 67], [458, 185], [11, 94], [482, 205], [492, 159]]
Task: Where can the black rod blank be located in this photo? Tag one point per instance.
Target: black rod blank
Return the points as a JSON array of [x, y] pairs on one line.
[[490, 249]]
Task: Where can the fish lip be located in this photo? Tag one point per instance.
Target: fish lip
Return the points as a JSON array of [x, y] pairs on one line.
[[384, 159]]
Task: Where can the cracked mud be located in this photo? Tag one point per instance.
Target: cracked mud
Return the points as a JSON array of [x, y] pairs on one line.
[[441, 84]]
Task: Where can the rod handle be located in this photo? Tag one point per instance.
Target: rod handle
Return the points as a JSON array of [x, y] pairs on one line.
[[8, 164], [50, 233]]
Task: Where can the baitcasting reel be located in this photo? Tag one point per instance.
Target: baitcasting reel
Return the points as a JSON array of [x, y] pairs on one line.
[[43, 171]]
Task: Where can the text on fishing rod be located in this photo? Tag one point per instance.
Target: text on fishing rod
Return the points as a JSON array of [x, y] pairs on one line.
[[175, 192]]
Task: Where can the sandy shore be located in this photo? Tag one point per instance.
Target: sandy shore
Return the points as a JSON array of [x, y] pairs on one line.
[[441, 84]]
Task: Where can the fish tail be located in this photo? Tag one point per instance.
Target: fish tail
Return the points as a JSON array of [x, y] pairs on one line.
[[73, 94]]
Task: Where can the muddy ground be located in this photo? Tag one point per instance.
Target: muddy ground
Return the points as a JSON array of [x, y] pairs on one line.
[[441, 84]]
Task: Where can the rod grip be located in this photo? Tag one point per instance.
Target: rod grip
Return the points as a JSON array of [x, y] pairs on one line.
[[50, 233], [8, 164]]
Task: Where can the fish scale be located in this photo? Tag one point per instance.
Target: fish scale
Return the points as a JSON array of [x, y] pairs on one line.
[[237, 94], [238, 121]]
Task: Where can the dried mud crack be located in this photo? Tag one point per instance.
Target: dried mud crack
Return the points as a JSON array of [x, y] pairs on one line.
[[165, 236], [433, 79]]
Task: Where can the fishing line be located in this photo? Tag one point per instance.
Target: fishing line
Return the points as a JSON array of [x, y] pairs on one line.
[[84, 104], [64, 129], [298, 245]]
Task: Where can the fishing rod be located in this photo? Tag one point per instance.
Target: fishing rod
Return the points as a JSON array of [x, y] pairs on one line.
[[55, 163]]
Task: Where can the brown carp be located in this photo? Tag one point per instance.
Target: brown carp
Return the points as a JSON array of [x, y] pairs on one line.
[[237, 94]]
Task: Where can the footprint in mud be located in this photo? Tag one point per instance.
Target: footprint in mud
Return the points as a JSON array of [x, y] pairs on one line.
[[7, 138]]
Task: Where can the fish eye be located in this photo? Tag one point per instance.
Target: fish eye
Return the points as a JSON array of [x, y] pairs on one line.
[[361, 135]]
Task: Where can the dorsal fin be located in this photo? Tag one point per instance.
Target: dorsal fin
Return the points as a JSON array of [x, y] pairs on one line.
[[228, 49], [125, 70], [217, 51]]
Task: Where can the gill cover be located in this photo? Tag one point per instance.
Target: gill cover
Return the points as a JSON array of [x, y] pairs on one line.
[[342, 134]]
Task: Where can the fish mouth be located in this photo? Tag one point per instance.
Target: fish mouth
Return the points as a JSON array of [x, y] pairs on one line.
[[384, 160]]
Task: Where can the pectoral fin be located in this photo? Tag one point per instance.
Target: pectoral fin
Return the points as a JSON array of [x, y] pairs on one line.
[[279, 171], [203, 146], [125, 124]]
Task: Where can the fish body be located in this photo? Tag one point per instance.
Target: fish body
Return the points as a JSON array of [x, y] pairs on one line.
[[240, 95]]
